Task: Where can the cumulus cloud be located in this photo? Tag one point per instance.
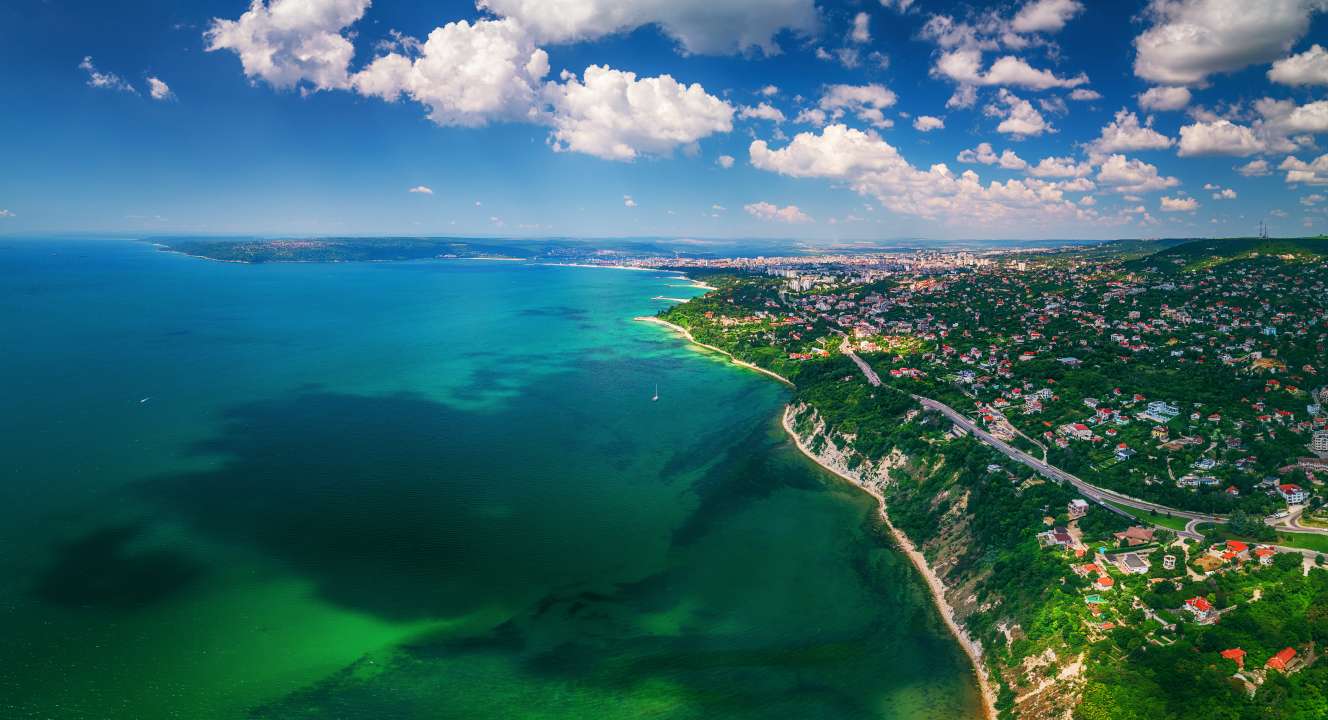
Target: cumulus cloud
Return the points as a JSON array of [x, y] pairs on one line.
[[1219, 137], [1060, 167], [1190, 40], [1164, 97], [465, 74], [158, 89], [1309, 173], [106, 80], [768, 211], [861, 28], [1047, 16], [1179, 204], [873, 167], [628, 201], [964, 66], [699, 26], [1085, 94], [1019, 118], [866, 101], [1307, 68], [1225, 194], [1126, 175], [984, 154], [763, 111], [724, 161], [6, 213], [289, 42], [1254, 168], [1124, 133], [421, 189], [927, 123], [613, 115]]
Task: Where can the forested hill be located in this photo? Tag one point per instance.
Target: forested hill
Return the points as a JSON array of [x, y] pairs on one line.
[[1204, 254]]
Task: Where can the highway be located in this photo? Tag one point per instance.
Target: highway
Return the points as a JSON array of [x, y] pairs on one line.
[[1090, 491]]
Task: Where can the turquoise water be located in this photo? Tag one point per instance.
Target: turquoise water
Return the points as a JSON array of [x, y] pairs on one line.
[[434, 490]]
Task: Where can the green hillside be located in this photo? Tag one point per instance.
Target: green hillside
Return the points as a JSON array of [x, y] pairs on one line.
[[1204, 254]]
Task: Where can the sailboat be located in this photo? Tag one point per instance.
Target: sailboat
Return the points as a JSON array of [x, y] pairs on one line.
[[656, 398]]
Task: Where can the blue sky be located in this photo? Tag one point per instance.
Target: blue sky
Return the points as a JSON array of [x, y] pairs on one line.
[[690, 118]]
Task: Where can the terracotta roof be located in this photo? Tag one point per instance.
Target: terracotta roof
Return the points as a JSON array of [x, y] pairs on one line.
[[1199, 603], [1280, 660], [1236, 655]]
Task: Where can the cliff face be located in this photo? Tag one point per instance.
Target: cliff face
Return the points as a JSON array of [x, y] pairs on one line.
[[1046, 684]]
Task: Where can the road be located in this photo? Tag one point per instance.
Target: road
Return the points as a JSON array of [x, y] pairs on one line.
[[1090, 491]]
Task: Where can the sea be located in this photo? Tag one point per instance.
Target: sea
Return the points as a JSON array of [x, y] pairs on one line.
[[435, 489]]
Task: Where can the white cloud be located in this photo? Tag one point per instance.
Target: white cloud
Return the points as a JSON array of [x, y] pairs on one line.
[[108, 81], [289, 42], [770, 90], [984, 154], [1084, 94], [1124, 133], [1310, 173], [964, 66], [628, 201], [867, 101], [763, 111], [1179, 204], [6, 214], [1307, 68], [1284, 117], [1254, 168], [900, 5], [861, 28], [873, 167], [811, 116], [767, 211], [421, 189], [1054, 105], [1220, 137], [1164, 97], [1192, 39], [724, 161], [158, 89], [1225, 194], [927, 123], [465, 74], [1045, 15], [614, 115], [1313, 199], [1126, 175], [699, 26], [1060, 167], [1019, 117]]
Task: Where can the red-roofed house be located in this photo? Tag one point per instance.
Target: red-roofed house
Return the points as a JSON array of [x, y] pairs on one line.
[[1281, 659], [1235, 655], [1202, 609], [1292, 493], [1105, 582], [1265, 555]]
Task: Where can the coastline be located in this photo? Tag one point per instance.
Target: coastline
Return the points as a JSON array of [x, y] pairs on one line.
[[686, 334], [935, 586]]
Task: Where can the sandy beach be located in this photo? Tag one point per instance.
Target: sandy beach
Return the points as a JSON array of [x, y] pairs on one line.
[[934, 584], [683, 331]]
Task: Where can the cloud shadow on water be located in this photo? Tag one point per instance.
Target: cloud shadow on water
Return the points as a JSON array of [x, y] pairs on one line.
[[103, 569]]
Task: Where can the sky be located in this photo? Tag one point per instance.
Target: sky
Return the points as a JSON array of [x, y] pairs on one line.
[[835, 120]]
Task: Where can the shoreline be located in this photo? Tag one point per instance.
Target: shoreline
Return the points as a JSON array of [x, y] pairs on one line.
[[686, 334], [935, 586]]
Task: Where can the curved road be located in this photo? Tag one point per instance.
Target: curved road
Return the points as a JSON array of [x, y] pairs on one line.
[[1089, 490]]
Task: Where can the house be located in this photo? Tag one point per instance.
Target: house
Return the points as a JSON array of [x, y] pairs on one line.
[[1235, 655], [1078, 508], [1168, 562], [1059, 537], [1124, 452], [1292, 494], [1203, 611], [1135, 536], [1163, 411], [1132, 564], [1105, 582], [1281, 660], [1265, 555]]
